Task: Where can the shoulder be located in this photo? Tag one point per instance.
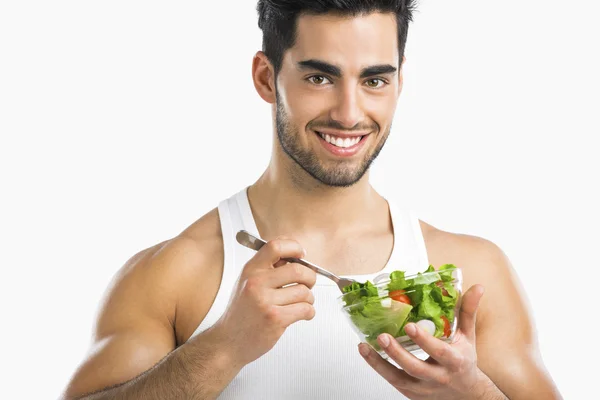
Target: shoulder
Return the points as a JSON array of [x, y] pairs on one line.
[[479, 255], [179, 257], [162, 279], [482, 262], [191, 252]]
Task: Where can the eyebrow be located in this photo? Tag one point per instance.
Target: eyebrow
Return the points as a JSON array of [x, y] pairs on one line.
[[330, 69], [384, 69], [321, 66]]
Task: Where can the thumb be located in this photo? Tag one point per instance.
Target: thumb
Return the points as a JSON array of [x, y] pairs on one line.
[[468, 311]]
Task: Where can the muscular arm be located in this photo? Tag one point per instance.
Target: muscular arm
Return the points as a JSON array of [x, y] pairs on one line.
[[197, 370], [134, 354], [507, 346]]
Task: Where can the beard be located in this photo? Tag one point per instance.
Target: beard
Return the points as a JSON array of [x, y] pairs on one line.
[[338, 173]]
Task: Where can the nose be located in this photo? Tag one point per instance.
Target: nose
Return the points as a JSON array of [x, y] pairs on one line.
[[347, 110]]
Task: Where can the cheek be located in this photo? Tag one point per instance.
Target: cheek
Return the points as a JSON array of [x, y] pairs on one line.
[[303, 108], [381, 110]]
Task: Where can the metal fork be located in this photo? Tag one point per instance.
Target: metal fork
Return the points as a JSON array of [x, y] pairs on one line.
[[252, 242]]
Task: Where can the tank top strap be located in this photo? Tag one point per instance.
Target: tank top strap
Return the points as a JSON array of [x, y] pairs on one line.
[[232, 217], [409, 252]]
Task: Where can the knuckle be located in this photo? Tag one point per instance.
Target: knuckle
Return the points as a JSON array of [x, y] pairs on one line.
[[309, 311], [275, 246], [459, 363], [308, 295], [310, 277], [263, 306], [313, 279], [398, 382], [298, 271], [272, 314], [300, 292], [304, 291], [415, 369], [441, 352], [442, 379], [252, 285]]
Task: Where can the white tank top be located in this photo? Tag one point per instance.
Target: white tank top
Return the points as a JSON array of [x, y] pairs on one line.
[[315, 359]]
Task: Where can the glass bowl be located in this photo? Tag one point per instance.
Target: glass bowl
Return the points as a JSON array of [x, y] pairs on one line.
[[432, 296]]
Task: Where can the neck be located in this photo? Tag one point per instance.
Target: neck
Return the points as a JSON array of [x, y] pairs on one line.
[[286, 200]]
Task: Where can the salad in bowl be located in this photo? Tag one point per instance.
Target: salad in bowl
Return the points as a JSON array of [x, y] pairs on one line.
[[431, 299]]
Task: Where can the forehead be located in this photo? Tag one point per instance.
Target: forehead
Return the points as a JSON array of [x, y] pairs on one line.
[[351, 42]]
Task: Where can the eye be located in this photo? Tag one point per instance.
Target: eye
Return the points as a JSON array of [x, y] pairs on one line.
[[318, 80], [375, 83]]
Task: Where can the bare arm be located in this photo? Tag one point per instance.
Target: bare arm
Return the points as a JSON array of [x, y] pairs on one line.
[[196, 370], [134, 355], [506, 340]]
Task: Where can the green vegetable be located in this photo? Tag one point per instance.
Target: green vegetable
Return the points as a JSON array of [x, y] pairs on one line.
[[374, 318], [430, 276], [445, 272], [432, 296], [397, 281]]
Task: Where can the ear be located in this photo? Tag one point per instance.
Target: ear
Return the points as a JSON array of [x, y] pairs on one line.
[[263, 75]]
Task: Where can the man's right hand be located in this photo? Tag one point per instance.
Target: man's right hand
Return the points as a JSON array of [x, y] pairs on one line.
[[261, 308]]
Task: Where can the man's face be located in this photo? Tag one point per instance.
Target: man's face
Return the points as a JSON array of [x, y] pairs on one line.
[[336, 94]]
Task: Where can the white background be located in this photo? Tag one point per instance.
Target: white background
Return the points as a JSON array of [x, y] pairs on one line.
[[123, 122]]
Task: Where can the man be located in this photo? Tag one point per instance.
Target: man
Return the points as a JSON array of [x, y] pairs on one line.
[[201, 317]]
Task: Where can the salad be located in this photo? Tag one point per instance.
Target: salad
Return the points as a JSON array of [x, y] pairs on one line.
[[428, 299]]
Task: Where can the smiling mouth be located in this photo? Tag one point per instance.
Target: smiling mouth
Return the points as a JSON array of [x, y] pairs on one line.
[[340, 142]]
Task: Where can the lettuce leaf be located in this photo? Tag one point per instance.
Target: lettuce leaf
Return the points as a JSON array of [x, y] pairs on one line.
[[445, 272], [432, 296], [397, 281]]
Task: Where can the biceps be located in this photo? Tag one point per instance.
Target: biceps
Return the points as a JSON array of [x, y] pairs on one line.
[[509, 355], [117, 359], [506, 343], [519, 376]]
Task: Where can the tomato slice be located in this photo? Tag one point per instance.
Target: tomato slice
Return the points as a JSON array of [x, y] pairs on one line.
[[446, 326], [440, 284], [399, 295]]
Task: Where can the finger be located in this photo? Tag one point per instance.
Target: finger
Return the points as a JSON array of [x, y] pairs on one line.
[[291, 273], [398, 378], [408, 362], [437, 349], [296, 293], [468, 311], [294, 312], [283, 262], [274, 251]]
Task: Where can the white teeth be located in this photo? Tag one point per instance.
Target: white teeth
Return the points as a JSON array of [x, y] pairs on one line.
[[339, 142]]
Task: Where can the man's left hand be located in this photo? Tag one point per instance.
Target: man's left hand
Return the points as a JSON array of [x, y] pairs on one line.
[[451, 372]]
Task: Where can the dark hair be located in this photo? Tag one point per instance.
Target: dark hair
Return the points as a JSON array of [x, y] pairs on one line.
[[278, 20]]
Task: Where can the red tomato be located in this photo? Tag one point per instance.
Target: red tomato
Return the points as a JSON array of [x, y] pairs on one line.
[[399, 295], [440, 284], [446, 326]]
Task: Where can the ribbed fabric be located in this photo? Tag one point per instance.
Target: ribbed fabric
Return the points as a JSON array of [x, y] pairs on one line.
[[315, 359]]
